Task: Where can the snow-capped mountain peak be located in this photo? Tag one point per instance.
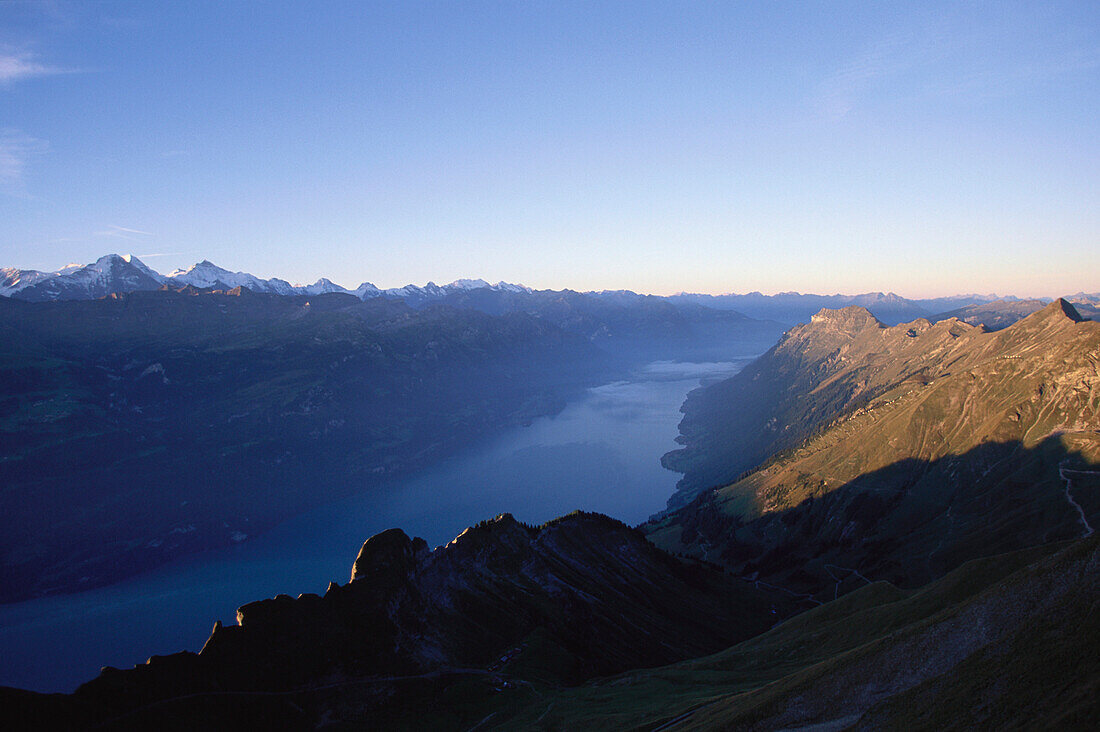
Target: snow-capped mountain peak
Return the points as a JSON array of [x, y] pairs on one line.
[[126, 273], [110, 273], [511, 287], [320, 287], [366, 290], [467, 285], [13, 279], [206, 274]]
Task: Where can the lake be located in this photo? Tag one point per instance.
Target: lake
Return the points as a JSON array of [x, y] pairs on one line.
[[601, 453]]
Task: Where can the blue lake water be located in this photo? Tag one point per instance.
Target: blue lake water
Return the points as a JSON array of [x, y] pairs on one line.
[[601, 453]]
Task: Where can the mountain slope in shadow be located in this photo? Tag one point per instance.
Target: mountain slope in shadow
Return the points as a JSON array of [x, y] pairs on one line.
[[1006, 642], [502, 606]]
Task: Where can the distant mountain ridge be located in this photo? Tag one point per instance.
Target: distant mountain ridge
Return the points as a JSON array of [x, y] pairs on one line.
[[126, 273], [891, 309], [113, 273]]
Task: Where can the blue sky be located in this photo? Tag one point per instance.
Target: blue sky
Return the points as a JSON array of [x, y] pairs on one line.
[[918, 148]]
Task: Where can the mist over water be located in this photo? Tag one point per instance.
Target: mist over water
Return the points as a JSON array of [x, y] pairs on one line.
[[601, 453]]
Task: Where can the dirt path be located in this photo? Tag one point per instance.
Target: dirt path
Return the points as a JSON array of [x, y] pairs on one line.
[[839, 580], [1069, 497]]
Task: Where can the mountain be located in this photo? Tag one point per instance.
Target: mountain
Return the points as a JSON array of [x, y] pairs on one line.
[[142, 426], [323, 286], [423, 638], [12, 279], [366, 291], [1087, 305], [126, 273], [994, 315], [207, 275], [108, 274], [914, 449], [1011, 641], [1000, 314], [794, 307], [954, 302], [636, 327], [432, 293]]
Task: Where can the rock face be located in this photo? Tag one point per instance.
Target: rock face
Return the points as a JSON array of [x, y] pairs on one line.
[[934, 444], [601, 594], [581, 596]]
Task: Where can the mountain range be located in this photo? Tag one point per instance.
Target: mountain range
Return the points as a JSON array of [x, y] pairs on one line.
[[879, 525], [126, 273]]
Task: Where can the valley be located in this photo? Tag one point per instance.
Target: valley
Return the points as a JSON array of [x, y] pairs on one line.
[[609, 437]]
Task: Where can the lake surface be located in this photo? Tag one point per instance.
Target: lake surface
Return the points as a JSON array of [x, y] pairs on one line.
[[601, 453]]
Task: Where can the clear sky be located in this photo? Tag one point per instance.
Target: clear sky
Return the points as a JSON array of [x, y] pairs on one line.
[[921, 148]]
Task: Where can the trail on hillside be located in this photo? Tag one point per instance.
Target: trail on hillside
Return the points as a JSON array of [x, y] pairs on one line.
[[1069, 497]]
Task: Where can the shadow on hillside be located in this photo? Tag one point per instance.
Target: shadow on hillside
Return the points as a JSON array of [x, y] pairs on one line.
[[909, 522]]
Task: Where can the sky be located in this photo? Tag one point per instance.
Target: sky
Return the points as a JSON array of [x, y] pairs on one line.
[[922, 148]]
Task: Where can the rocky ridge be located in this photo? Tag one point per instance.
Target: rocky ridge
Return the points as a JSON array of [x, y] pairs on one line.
[[932, 444], [502, 605]]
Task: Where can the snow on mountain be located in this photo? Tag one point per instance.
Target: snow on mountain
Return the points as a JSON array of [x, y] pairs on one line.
[[511, 287], [142, 267], [416, 294], [126, 273], [467, 285], [206, 274], [281, 287], [108, 274], [366, 290], [13, 279], [320, 287], [479, 284]]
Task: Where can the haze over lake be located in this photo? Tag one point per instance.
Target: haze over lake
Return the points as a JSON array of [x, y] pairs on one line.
[[601, 453]]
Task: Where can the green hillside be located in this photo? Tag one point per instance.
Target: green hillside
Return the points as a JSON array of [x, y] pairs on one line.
[[958, 448]]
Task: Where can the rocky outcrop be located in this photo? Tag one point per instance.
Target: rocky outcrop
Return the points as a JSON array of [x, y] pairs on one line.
[[502, 604]]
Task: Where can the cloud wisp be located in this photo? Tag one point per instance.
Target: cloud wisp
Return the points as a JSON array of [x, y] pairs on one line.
[[18, 66], [16, 150], [123, 232], [936, 58], [881, 63]]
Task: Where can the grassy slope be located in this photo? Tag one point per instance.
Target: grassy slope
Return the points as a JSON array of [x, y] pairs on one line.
[[950, 463], [795, 664], [846, 365]]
